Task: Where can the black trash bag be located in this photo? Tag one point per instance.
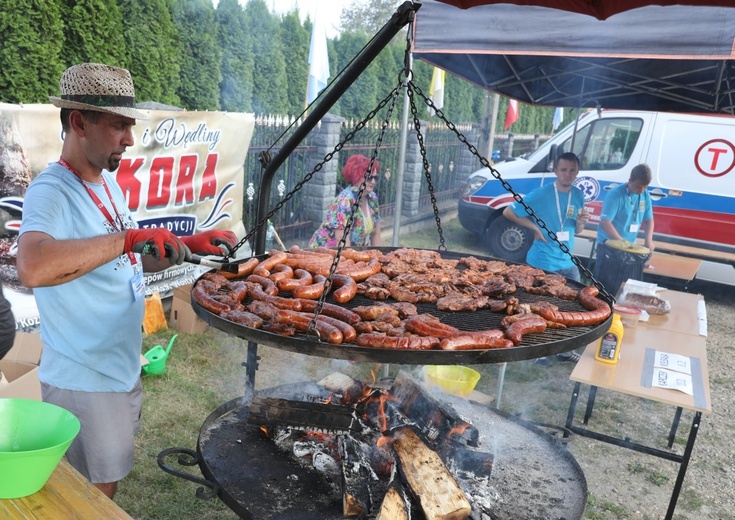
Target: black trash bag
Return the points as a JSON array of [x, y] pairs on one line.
[[614, 267]]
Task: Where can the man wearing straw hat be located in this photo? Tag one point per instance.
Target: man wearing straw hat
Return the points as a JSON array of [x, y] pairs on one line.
[[83, 254]]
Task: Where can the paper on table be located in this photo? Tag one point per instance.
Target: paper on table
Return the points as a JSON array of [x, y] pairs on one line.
[[702, 314], [673, 362], [669, 379]]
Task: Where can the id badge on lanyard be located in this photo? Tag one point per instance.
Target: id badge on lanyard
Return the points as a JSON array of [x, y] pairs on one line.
[[138, 284]]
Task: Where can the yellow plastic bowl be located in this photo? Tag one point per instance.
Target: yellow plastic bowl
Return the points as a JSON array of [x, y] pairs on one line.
[[455, 380]]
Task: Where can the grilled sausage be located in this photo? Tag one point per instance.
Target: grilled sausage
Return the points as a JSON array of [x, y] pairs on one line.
[[237, 290], [301, 277], [243, 269], [362, 272], [346, 288], [282, 303], [516, 330], [310, 292], [599, 310], [266, 283], [201, 296], [376, 340], [279, 272], [474, 342], [424, 327], [301, 320], [329, 309], [276, 257]]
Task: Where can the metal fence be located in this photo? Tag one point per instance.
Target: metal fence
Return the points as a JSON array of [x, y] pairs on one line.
[[443, 150]]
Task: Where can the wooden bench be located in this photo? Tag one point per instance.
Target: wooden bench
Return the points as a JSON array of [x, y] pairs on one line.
[[676, 249]]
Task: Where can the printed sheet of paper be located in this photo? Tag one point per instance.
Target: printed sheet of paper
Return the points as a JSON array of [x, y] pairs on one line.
[[669, 379], [673, 362]]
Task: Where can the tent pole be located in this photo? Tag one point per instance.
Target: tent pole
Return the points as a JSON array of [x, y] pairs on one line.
[[493, 124], [398, 206]]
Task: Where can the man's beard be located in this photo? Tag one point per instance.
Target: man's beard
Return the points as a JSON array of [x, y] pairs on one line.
[[112, 164]]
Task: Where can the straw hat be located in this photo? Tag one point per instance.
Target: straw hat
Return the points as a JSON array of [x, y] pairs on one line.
[[100, 88]]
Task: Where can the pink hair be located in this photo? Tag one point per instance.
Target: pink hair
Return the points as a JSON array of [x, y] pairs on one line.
[[354, 169]]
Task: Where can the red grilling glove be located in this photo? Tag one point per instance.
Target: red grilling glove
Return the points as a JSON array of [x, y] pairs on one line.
[[159, 242], [208, 242]]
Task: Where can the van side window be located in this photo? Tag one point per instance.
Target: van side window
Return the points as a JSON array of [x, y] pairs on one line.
[[604, 144], [608, 144]]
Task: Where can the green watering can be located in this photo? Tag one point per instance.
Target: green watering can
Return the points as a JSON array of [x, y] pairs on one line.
[[157, 357]]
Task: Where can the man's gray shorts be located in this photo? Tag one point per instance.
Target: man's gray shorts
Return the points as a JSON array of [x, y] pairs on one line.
[[104, 450]]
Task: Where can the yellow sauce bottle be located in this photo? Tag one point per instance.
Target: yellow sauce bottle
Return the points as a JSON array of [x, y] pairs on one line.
[[608, 348]]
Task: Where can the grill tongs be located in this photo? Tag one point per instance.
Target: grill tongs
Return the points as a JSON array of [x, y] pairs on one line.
[[327, 418]]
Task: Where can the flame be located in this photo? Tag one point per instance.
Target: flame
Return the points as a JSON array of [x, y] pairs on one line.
[[384, 440], [458, 430], [382, 417], [265, 431]]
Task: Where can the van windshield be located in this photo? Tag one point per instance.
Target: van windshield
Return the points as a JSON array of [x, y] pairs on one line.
[[604, 144]]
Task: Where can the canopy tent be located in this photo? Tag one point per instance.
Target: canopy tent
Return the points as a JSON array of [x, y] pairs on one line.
[[672, 58], [601, 9]]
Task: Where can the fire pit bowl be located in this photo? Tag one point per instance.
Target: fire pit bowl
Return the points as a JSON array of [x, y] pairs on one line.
[[455, 380], [533, 474]]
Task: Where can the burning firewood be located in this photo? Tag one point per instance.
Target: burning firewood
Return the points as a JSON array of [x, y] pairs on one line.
[[430, 481], [357, 499], [395, 505], [435, 421]]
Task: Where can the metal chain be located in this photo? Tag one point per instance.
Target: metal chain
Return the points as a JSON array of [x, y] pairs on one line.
[[516, 196], [355, 206], [265, 159], [425, 161]]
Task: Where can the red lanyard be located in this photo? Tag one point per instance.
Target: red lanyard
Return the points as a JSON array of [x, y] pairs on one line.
[[103, 209]]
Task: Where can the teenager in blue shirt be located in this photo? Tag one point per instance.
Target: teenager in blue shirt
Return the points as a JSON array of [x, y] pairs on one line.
[[561, 206], [628, 209]]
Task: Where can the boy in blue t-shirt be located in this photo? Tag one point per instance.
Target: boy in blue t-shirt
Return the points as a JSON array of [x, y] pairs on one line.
[[561, 206]]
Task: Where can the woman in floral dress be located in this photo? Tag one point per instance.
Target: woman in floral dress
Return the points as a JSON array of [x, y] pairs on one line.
[[366, 226]]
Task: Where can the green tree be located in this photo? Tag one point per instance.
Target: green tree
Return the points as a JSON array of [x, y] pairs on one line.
[[153, 48], [94, 33], [31, 60], [368, 16], [296, 42], [270, 79], [236, 42], [363, 95], [201, 54]]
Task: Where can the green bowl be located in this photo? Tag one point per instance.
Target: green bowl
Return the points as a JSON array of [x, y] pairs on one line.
[[33, 437]]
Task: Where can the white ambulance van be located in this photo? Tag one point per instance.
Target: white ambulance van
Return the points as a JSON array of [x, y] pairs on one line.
[[693, 162]]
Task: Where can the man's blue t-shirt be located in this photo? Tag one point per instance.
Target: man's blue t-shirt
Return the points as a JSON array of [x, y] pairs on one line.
[[624, 209], [90, 326], [562, 217]]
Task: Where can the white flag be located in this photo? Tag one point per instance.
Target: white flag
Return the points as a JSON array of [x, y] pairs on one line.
[[318, 61], [558, 118], [436, 91]]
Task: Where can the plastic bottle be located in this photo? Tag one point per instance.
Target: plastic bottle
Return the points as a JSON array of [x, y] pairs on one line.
[[608, 348], [269, 235]]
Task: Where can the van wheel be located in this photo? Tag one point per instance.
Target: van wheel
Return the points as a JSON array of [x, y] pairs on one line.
[[508, 240]]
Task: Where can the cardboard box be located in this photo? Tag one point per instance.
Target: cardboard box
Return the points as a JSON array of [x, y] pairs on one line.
[[182, 317], [20, 367]]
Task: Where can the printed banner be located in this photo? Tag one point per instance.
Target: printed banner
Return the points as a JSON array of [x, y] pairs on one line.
[[185, 172]]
